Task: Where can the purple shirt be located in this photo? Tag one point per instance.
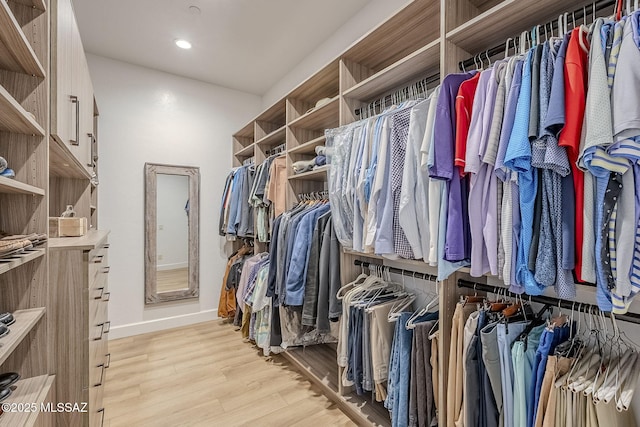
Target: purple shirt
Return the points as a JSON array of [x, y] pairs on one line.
[[457, 241]]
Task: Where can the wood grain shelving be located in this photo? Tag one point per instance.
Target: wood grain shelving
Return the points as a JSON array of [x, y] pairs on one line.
[[38, 4], [26, 320], [14, 261], [14, 118], [245, 132], [320, 118], [28, 391], [16, 54], [318, 363], [11, 186], [319, 174], [504, 20], [247, 151], [309, 147], [63, 164], [421, 63], [275, 138]]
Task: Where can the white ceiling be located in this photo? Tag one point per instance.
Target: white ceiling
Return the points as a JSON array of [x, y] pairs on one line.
[[241, 44]]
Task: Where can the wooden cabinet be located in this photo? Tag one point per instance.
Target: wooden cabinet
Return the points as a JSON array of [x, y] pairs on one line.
[[71, 88], [79, 273]]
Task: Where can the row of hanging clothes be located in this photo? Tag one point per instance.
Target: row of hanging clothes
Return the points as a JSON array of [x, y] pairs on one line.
[[252, 197], [525, 170], [389, 348], [513, 366], [287, 297]]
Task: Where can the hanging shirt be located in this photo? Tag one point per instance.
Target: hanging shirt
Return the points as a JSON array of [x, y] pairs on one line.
[[518, 159], [464, 109], [457, 241]]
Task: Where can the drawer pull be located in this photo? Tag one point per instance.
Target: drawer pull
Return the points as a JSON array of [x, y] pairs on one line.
[[106, 246], [102, 329], [101, 374], [75, 100], [108, 325], [106, 270], [101, 293], [108, 361], [97, 259], [108, 297], [101, 418]]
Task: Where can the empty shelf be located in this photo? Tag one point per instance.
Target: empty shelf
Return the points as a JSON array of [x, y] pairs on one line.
[[14, 118], [11, 186], [16, 53]]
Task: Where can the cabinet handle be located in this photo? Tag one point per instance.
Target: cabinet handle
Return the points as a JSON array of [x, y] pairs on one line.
[[97, 259], [108, 297], [108, 361], [108, 325], [102, 418], [76, 101], [106, 246], [106, 270], [102, 329], [101, 374], [101, 293], [92, 158]]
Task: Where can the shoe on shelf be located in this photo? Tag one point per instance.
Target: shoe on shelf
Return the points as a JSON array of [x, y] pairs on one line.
[[8, 173], [4, 393], [8, 379], [4, 330], [7, 319]]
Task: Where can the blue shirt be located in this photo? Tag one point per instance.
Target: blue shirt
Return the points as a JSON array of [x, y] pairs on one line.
[[518, 159]]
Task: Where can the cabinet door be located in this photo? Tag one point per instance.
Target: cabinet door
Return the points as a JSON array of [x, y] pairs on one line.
[[71, 89], [63, 53]]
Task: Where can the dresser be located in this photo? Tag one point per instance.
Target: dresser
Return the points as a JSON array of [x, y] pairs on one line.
[[79, 271]]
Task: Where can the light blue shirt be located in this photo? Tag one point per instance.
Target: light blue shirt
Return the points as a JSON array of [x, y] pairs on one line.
[[235, 213], [518, 159]]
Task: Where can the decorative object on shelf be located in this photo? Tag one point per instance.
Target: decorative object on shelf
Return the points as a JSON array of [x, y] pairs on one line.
[[303, 166], [67, 227], [320, 103], [321, 150], [68, 213]]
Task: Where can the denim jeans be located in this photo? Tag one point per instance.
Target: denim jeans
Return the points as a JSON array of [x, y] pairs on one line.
[[397, 401]]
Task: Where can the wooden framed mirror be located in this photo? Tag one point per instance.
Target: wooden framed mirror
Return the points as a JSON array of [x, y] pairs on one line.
[[172, 222]]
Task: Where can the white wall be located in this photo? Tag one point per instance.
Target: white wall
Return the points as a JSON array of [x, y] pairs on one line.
[[173, 223], [369, 17], [150, 116]]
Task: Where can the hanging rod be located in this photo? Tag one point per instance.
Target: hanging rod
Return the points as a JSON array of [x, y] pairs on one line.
[[569, 305], [577, 14], [277, 149], [416, 274], [426, 81]]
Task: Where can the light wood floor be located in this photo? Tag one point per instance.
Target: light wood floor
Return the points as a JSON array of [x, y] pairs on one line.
[[172, 280], [204, 375]]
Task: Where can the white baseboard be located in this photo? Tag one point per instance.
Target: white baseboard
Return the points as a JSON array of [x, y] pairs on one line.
[[161, 324], [173, 266]]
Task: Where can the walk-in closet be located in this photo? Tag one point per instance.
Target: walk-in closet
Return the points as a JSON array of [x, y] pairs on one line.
[[403, 213]]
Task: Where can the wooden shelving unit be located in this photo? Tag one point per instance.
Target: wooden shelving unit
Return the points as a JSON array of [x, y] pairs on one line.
[[37, 4], [273, 139], [319, 174], [505, 19], [26, 320], [18, 55], [63, 164], [324, 117], [36, 390], [14, 117], [421, 63], [309, 147], [14, 261], [24, 126], [11, 186], [246, 151]]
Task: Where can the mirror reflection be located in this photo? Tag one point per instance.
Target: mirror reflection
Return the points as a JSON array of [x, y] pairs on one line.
[[172, 267]]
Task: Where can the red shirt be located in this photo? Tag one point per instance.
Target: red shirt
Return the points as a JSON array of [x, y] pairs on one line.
[[575, 93], [464, 107]]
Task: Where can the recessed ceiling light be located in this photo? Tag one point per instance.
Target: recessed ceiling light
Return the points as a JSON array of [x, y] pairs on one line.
[[183, 44]]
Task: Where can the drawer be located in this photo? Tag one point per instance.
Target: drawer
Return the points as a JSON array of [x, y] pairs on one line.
[[100, 288], [96, 409], [98, 319], [98, 260], [99, 361]]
